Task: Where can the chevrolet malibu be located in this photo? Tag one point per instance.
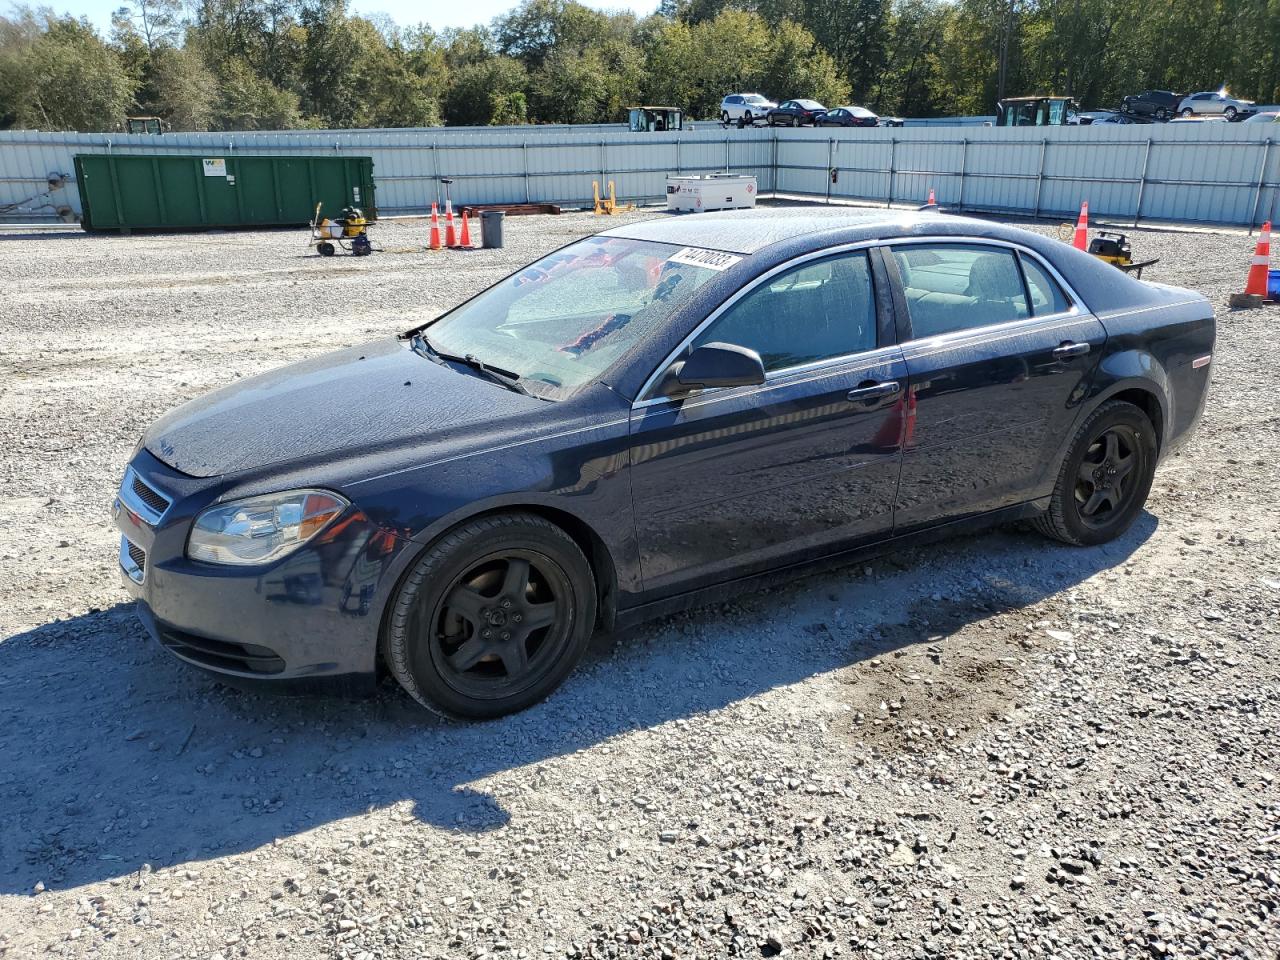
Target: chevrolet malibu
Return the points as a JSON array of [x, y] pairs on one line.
[[643, 420]]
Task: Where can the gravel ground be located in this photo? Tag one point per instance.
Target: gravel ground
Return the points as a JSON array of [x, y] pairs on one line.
[[995, 747]]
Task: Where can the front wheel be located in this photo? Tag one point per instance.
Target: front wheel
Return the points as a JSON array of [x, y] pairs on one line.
[[1229, 113], [492, 617], [724, 117], [1105, 478], [1185, 112], [1162, 113]]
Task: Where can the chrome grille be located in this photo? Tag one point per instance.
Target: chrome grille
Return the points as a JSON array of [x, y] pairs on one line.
[[142, 499], [133, 560], [152, 498]]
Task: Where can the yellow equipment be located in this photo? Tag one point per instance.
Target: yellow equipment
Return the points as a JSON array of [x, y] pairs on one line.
[[607, 206], [1114, 249], [352, 226]]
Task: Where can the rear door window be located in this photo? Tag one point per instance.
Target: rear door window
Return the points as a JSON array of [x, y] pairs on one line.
[[1046, 295], [958, 286], [816, 311]]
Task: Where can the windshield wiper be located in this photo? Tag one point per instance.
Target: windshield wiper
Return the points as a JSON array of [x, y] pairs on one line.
[[498, 375]]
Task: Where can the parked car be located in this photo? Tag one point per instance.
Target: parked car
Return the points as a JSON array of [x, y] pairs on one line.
[[577, 447], [747, 107], [795, 113], [1211, 103], [1104, 116], [1160, 104], [848, 117], [1265, 116]]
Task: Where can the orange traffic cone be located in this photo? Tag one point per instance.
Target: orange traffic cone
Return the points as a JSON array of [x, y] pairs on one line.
[[932, 201], [450, 234], [1081, 239], [434, 242], [464, 241], [1261, 264]]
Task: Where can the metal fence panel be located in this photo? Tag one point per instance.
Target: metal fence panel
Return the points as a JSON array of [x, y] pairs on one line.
[[1203, 172]]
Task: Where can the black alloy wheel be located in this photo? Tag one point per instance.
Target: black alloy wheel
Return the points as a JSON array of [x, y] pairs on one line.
[[1162, 113], [492, 617], [1104, 479], [500, 624]]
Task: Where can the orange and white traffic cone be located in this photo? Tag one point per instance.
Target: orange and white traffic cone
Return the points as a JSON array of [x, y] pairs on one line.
[[1261, 264], [464, 241], [450, 232], [434, 242], [932, 201], [1081, 239]]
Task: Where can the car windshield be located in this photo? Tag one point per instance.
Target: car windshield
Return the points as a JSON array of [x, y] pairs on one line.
[[559, 323], [755, 98]]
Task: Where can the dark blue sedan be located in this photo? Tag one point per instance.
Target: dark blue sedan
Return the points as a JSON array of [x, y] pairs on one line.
[[641, 421]]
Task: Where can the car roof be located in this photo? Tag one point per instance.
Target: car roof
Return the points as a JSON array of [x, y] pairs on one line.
[[747, 232]]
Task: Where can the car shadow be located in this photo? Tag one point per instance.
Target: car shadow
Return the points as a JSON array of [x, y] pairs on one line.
[[114, 755]]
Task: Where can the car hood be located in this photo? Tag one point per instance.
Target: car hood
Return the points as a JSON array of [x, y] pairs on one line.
[[375, 396]]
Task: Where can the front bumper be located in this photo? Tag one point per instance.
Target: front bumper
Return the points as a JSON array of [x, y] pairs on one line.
[[314, 614]]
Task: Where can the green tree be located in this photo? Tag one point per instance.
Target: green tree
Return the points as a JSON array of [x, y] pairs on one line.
[[67, 79], [491, 92], [248, 101], [185, 90]]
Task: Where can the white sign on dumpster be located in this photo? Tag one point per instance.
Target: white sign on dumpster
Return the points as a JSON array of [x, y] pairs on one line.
[[215, 168], [715, 191]]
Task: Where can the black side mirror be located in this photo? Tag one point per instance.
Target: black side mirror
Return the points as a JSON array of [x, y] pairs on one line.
[[713, 365]]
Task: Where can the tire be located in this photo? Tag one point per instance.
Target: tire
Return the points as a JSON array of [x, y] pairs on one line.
[[724, 117], [451, 637], [1185, 112], [1162, 113], [1093, 457], [1126, 107], [746, 118], [1230, 113], [325, 249]]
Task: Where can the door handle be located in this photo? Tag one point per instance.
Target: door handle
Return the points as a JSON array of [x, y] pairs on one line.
[[1069, 349], [873, 391]]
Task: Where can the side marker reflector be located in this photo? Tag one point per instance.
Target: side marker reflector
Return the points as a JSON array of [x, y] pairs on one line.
[[1199, 362]]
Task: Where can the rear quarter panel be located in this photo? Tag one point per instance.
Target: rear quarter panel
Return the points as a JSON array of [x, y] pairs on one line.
[[1156, 347]]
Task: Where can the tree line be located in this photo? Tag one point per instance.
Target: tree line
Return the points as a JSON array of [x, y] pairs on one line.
[[282, 64]]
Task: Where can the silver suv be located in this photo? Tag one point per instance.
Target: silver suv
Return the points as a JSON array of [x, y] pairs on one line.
[[747, 107], [1215, 103]]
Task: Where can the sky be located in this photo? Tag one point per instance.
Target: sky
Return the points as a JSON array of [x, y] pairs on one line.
[[438, 13]]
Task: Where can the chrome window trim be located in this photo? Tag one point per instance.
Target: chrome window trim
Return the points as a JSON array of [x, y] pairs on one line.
[[643, 399], [941, 341], [131, 569], [134, 504]]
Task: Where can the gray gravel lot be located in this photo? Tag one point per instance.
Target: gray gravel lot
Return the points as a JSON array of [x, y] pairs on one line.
[[994, 747]]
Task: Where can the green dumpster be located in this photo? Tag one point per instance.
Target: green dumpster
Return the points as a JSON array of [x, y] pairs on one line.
[[145, 191]]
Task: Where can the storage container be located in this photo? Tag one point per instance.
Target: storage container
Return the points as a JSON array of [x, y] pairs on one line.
[[138, 191], [715, 191]]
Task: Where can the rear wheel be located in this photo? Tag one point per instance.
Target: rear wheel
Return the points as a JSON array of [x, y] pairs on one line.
[[1186, 112], [492, 617], [1105, 478], [1162, 113], [724, 116]]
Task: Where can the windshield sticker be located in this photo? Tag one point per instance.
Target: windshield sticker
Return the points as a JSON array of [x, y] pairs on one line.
[[711, 259]]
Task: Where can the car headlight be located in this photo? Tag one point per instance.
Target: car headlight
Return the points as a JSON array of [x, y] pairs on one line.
[[260, 530]]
